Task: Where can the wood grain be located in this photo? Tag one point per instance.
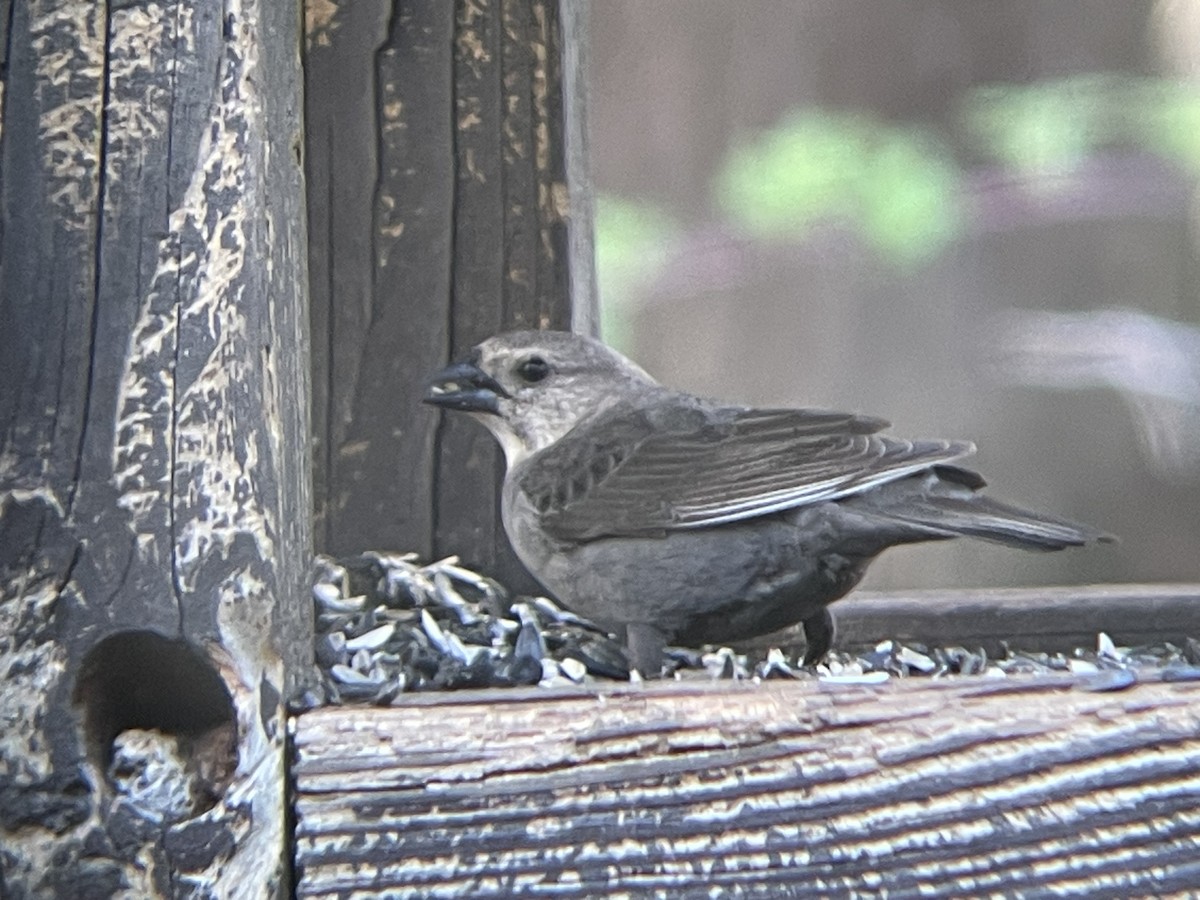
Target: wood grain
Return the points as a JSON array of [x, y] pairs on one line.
[[951, 788]]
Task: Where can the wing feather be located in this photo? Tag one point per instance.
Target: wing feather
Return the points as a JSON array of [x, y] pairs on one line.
[[659, 467]]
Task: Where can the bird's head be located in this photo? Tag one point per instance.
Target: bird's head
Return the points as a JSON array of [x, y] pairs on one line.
[[529, 388]]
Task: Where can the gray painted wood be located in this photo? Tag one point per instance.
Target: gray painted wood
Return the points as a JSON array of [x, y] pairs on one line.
[[439, 180], [154, 469]]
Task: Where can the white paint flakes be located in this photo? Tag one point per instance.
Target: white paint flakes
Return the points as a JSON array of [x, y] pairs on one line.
[[320, 21], [24, 496], [244, 662], [145, 42], [32, 672], [68, 41], [182, 435]]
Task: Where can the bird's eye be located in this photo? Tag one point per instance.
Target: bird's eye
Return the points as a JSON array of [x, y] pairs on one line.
[[533, 369]]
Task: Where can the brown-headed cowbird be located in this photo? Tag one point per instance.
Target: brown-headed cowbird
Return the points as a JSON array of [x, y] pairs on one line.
[[685, 520]]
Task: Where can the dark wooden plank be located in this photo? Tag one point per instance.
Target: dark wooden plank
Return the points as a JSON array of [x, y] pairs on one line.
[[340, 124], [512, 266], [468, 460], [379, 132], [920, 788], [154, 500], [524, 252], [460, 148], [1052, 619], [5, 23]]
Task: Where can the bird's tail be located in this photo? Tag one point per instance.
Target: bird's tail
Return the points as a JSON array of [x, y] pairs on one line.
[[944, 502]]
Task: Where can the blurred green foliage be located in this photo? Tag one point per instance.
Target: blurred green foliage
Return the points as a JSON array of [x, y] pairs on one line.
[[1053, 126], [900, 188], [633, 241], [896, 186]]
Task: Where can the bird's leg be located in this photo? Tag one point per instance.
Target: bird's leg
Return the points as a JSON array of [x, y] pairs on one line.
[[818, 635], [645, 647]]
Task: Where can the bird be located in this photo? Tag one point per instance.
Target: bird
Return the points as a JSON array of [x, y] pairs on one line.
[[675, 519]]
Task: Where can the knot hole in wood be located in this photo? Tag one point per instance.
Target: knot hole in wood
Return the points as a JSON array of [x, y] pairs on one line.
[[159, 722]]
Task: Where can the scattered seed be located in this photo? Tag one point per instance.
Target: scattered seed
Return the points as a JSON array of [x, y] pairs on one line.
[[326, 593], [864, 678], [915, 660], [1181, 673], [1106, 649], [774, 666], [725, 664], [331, 649], [1108, 680], [348, 676], [434, 632], [387, 624], [452, 599], [573, 669], [371, 640]]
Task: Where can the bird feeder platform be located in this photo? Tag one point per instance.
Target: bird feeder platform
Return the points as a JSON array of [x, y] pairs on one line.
[[962, 786], [932, 788]]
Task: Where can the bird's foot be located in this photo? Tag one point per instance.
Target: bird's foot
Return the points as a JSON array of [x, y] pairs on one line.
[[818, 635], [644, 644]]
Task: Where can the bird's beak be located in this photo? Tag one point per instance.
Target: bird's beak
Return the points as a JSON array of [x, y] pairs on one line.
[[465, 387]]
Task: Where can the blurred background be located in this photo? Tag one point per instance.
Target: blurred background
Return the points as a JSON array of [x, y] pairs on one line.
[[977, 220]]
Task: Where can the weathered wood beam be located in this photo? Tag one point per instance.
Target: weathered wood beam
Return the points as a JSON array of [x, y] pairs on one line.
[[1051, 619], [919, 788], [447, 202], [154, 497]]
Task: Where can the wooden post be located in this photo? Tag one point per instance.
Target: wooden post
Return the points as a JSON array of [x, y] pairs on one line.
[[447, 201], [154, 501]]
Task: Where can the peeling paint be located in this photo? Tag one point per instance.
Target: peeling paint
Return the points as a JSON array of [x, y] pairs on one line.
[[32, 672], [243, 619], [143, 46], [541, 90], [197, 288], [45, 493], [68, 41], [470, 45], [472, 169], [559, 205], [320, 21], [469, 114], [388, 227]]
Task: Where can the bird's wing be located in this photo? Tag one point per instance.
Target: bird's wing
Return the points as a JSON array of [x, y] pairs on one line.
[[673, 465]]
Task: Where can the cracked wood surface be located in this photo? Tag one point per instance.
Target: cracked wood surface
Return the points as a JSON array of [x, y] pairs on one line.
[[153, 431], [916, 788], [444, 205]]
